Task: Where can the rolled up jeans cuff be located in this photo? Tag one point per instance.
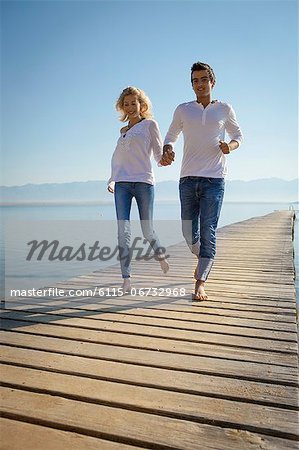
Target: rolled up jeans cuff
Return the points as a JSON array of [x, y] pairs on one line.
[[203, 268]]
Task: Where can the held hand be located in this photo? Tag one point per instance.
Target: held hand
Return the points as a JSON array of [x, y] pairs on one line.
[[168, 155], [224, 147]]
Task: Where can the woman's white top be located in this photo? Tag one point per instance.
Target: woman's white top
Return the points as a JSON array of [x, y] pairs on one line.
[[131, 160]]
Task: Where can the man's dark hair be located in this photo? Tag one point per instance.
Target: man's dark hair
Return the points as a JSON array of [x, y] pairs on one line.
[[203, 66]]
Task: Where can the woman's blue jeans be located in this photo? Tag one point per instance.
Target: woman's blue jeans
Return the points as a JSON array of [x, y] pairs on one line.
[[123, 195], [201, 201]]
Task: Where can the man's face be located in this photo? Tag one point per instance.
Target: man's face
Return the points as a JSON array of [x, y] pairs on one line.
[[201, 83]]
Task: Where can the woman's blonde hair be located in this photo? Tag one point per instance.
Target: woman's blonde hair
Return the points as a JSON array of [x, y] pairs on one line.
[[145, 103]]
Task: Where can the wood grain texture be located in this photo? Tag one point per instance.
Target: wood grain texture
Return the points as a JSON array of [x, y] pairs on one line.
[[161, 372]]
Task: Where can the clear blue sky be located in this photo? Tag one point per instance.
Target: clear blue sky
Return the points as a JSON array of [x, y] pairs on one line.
[[64, 63]]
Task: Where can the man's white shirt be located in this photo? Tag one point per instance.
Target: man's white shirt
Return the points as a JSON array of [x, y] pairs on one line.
[[202, 129]]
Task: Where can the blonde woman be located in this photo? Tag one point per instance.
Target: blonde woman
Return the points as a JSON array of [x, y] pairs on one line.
[[132, 175]]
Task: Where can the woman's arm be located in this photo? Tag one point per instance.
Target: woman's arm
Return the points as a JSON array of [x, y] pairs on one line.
[[156, 140]]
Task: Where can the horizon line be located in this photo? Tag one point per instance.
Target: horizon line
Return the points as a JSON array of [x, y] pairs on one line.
[[110, 203], [159, 182]]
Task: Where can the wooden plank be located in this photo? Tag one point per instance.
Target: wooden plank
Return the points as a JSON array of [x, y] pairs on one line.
[[187, 284], [245, 416], [165, 372], [212, 337], [259, 316], [286, 304], [233, 280], [179, 380], [28, 436], [125, 426], [189, 363], [88, 319], [152, 313], [240, 301], [154, 343]]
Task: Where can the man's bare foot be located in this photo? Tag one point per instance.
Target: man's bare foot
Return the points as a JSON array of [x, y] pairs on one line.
[[126, 286], [164, 265], [200, 293]]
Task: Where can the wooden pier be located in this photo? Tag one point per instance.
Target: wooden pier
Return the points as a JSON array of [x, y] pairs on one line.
[[159, 371]]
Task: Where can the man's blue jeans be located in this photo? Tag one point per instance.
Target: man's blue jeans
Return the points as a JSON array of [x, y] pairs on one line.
[[123, 195], [201, 201]]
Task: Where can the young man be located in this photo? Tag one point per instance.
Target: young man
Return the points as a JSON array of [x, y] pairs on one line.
[[203, 123]]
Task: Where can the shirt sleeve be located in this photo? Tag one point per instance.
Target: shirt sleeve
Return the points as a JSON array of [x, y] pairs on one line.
[[112, 176], [175, 128], [232, 127], [112, 168], [156, 140]]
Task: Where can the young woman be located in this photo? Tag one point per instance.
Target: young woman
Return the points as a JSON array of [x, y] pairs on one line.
[[132, 175]]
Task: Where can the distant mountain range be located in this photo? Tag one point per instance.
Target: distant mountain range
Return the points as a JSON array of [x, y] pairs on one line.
[[262, 190]]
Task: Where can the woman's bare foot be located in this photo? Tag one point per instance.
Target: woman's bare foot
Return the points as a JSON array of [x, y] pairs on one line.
[[126, 286], [200, 293], [164, 265]]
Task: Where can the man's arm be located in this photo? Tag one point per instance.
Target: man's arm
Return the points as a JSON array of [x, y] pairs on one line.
[[234, 131], [227, 147]]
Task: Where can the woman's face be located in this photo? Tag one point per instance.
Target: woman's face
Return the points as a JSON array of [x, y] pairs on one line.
[[131, 106]]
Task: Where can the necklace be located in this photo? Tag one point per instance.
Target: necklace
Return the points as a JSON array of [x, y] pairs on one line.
[[131, 126], [211, 103]]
